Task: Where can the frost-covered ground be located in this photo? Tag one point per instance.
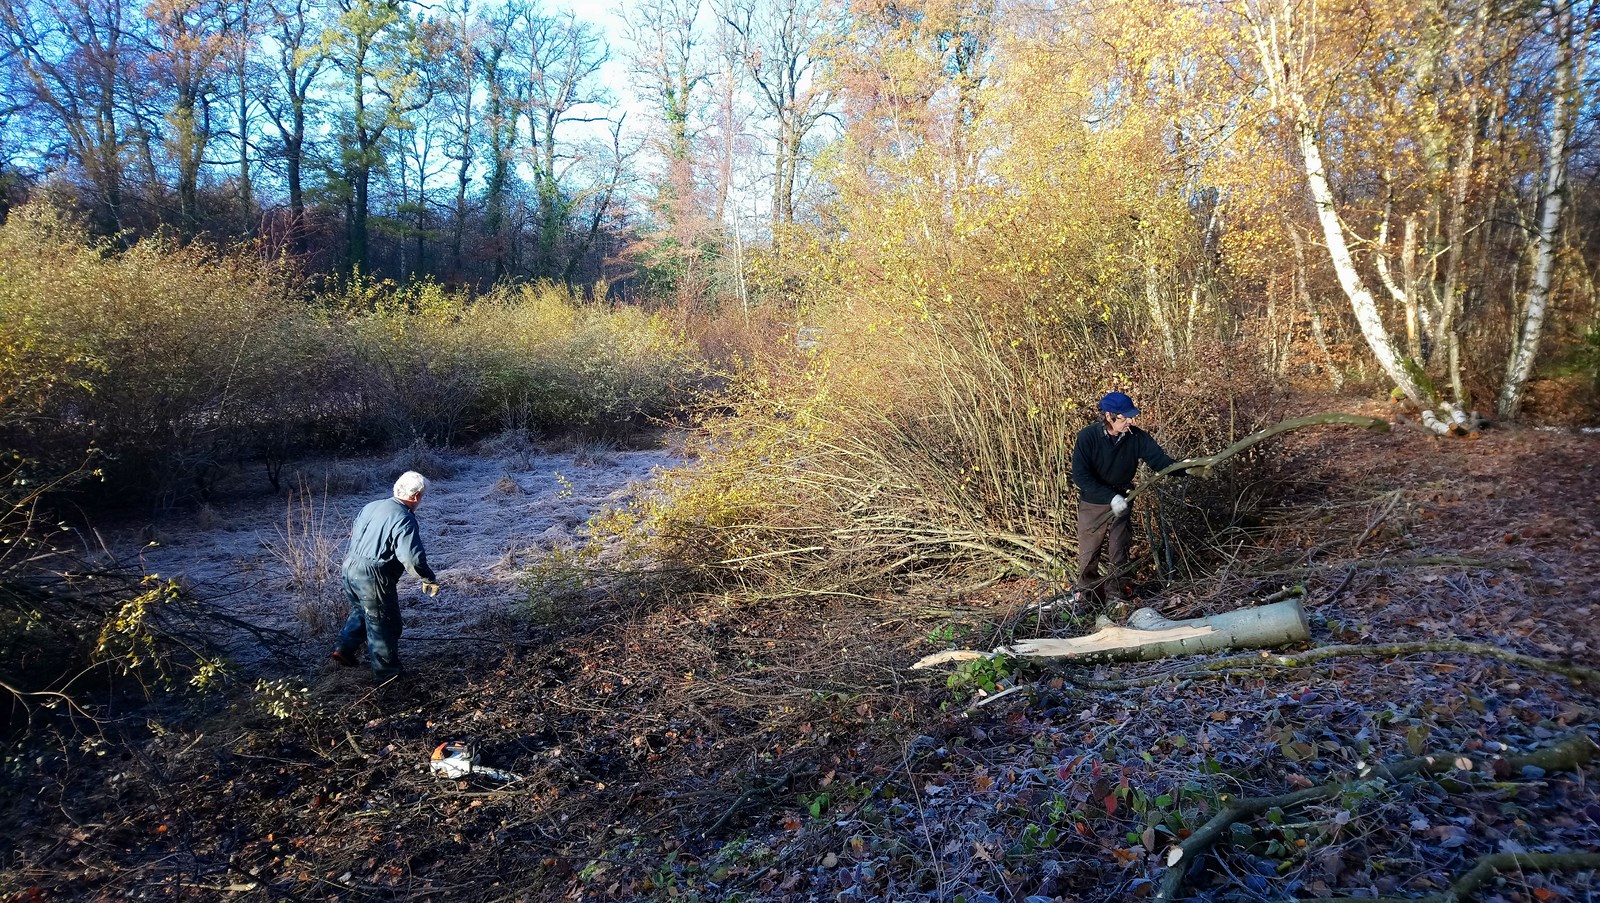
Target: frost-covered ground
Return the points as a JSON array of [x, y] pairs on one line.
[[272, 559]]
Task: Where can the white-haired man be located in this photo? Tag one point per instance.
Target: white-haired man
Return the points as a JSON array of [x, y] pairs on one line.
[[384, 543]]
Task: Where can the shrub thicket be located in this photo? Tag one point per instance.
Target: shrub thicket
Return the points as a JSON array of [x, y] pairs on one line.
[[179, 362], [438, 365], [963, 344], [925, 447]]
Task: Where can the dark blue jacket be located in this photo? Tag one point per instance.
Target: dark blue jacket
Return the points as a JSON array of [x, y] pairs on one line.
[[1103, 467], [385, 538]]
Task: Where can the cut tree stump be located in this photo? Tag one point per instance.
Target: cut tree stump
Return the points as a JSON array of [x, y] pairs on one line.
[[1149, 636]]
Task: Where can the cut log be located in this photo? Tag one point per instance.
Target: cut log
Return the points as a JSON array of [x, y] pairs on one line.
[[1149, 636]]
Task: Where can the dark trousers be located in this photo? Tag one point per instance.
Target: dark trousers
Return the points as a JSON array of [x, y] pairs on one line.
[[374, 617], [1098, 529]]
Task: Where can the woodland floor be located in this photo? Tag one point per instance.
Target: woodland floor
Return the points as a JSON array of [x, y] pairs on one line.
[[695, 750]]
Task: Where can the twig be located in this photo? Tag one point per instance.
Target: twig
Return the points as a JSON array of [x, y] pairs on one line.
[[753, 793], [1349, 574], [1394, 499], [1486, 867], [22, 697], [1219, 667], [1569, 754]]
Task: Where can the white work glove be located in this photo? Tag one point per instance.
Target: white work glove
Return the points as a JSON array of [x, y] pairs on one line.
[[1119, 506]]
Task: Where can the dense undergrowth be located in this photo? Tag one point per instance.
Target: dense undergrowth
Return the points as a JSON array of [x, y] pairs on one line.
[[928, 442], [177, 363]]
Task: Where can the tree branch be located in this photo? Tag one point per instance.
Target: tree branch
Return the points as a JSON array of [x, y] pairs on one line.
[[1567, 755]]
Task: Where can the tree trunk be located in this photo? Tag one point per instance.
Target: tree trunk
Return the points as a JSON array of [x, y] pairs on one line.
[[1526, 349], [358, 219], [1447, 332], [1149, 636], [242, 78], [1152, 299], [1361, 300], [1303, 292]]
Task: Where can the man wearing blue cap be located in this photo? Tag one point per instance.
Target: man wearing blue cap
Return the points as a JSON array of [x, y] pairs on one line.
[[1104, 459]]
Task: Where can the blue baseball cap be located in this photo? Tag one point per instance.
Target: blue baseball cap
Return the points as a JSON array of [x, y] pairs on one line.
[[1118, 403]]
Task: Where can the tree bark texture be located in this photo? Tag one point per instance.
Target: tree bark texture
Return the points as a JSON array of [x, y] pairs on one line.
[[1526, 349], [1149, 636]]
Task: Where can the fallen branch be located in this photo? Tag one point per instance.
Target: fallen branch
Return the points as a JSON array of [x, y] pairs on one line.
[[1421, 561], [1150, 636], [1203, 466], [754, 793], [1486, 867], [1220, 667], [1570, 754]]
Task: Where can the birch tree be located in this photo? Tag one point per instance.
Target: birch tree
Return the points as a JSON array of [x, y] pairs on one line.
[[1568, 42], [1287, 49]]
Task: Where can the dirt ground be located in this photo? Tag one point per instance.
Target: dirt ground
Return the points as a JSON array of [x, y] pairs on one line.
[[677, 748]]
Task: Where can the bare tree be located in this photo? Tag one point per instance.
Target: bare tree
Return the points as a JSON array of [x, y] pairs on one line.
[[458, 87], [295, 27], [780, 42], [245, 30], [561, 58], [596, 203], [75, 56]]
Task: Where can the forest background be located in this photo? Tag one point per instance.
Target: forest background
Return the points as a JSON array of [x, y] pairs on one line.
[[252, 230]]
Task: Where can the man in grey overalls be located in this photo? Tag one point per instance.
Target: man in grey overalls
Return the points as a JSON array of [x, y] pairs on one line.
[[384, 543]]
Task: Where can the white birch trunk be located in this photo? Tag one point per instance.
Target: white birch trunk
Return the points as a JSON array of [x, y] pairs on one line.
[[1283, 54], [1447, 332], [1526, 349], [1149, 637], [1362, 302]]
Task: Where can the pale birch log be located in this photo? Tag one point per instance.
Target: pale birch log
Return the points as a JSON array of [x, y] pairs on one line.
[[1149, 636]]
